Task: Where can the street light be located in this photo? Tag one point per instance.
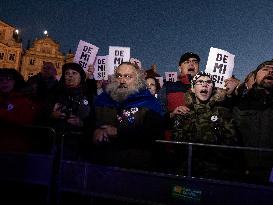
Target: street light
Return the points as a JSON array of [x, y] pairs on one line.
[[16, 35], [45, 33]]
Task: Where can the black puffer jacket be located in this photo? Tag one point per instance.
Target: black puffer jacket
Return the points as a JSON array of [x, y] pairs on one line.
[[253, 115]]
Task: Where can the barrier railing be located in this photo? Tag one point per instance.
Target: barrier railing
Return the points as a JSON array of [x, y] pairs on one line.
[[145, 187], [191, 144], [49, 167], [27, 155]]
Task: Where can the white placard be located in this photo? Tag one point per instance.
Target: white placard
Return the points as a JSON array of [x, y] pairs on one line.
[[160, 80], [100, 68], [220, 65], [171, 76], [85, 54], [136, 61], [117, 55]]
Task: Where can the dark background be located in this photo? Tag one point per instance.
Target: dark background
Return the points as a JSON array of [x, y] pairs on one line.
[[157, 31]]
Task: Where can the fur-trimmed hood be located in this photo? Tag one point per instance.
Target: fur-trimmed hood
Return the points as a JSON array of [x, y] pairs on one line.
[[218, 95]]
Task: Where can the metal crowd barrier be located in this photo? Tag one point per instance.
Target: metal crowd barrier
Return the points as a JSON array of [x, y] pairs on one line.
[[145, 187], [140, 187], [65, 180], [191, 144], [27, 155]]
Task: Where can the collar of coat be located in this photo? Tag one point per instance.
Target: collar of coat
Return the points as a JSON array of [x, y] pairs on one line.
[[143, 98]]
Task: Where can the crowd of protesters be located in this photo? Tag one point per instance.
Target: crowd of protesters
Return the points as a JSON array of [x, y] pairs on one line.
[[118, 123]]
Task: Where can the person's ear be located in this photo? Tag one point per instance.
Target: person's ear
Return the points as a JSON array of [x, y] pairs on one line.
[[254, 80], [192, 89]]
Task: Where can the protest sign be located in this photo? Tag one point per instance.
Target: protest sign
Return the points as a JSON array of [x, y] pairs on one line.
[[100, 71], [85, 54], [220, 65], [117, 55], [171, 76]]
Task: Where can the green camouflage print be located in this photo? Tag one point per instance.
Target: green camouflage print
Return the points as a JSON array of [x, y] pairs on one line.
[[208, 123], [205, 124]]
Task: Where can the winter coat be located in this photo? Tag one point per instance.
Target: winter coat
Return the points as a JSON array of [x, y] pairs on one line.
[[208, 123], [139, 123], [253, 115]]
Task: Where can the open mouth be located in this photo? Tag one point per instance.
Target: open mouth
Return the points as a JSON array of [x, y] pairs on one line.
[[122, 86], [191, 70], [269, 77], [204, 91]]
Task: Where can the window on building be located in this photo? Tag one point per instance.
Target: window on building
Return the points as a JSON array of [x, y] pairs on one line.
[[32, 62], [2, 56], [12, 57], [46, 50]]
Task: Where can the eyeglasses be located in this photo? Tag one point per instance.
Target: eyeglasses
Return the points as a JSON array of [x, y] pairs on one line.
[[203, 82], [7, 78]]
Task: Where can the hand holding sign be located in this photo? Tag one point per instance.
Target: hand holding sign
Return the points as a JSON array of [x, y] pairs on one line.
[[231, 84], [135, 61], [220, 65]]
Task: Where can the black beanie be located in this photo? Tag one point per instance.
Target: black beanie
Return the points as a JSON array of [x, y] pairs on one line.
[[74, 66], [187, 56], [262, 65], [18, 78]]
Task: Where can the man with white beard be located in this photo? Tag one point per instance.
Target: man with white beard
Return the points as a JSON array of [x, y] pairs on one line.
[[128, 121]]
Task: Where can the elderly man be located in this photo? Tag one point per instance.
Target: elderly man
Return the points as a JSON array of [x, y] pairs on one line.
[[172, 93], [254, 116], [129, 121]]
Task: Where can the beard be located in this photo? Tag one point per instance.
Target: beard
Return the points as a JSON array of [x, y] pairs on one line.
[[120, 92], [267, 82]]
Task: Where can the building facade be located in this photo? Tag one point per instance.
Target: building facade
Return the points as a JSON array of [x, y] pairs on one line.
[[43, 50], [29, 62], [11, 48]]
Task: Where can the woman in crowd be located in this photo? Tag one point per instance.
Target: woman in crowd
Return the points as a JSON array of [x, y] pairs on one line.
[[72, 107], [16, 111], [15, 107]]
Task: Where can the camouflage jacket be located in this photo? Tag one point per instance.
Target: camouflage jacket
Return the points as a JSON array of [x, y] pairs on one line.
[[206, 123]]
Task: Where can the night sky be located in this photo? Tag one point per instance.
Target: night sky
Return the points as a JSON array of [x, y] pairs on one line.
[[157, 31]]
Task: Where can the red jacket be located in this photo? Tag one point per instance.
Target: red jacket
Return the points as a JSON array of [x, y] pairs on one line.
[[175, 92], [17, 109]]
